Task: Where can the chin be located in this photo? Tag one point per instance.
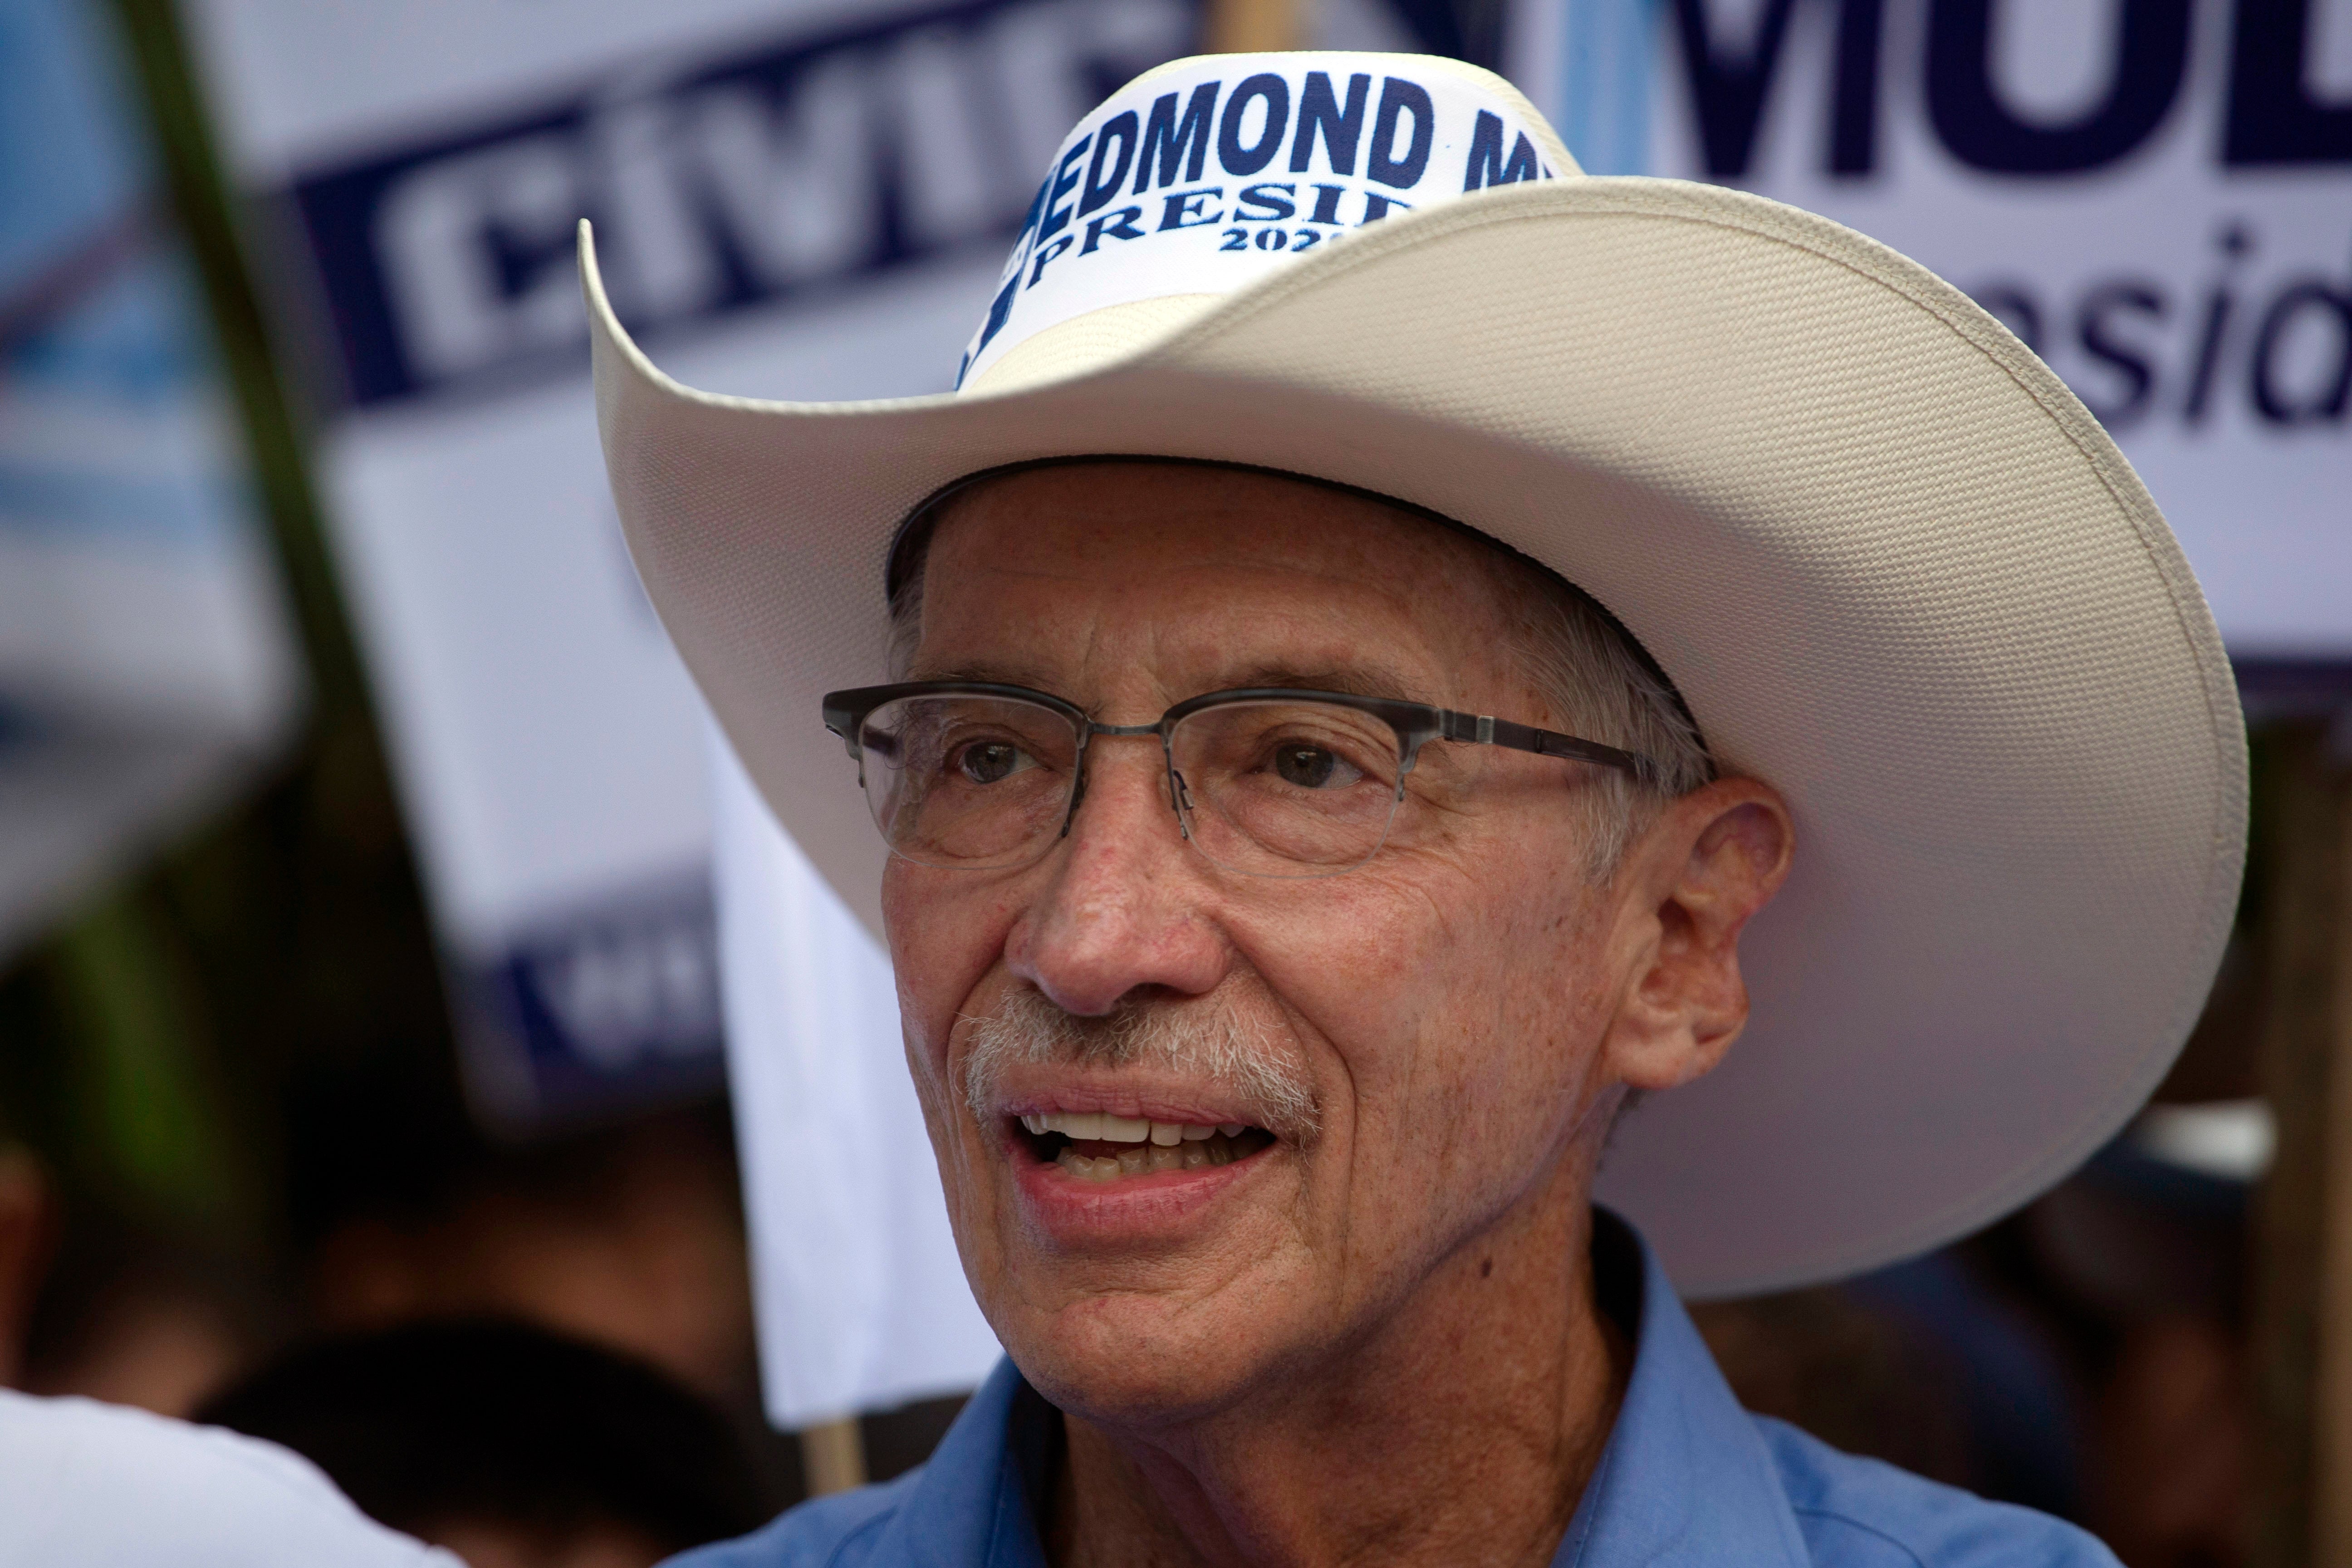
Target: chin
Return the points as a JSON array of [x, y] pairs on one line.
[[1140, 1360]]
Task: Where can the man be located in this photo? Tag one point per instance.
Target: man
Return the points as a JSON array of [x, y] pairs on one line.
[[1381, 620]]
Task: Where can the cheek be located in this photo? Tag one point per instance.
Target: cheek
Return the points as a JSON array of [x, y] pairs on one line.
[[944, 941], [1458, 1009]]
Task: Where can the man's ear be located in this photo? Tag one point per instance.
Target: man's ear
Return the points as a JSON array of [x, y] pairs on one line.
[[1685, 891]]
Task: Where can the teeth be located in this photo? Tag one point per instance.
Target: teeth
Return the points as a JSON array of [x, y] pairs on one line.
[[1232, 1129], [1088, 1169], [1085, 1126], [1145, 1158]]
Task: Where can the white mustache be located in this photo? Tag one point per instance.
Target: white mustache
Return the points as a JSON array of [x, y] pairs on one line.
[[1199, 1042]]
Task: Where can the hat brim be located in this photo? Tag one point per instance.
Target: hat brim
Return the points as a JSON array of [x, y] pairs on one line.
[[1892, 565]]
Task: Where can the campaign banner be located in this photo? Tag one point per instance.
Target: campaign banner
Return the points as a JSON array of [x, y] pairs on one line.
[[2154, 195], [147, 663], [803, 200], [808, 200]]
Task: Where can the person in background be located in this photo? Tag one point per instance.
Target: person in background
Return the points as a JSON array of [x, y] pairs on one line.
[[512, 1446], [86, 1485], [28, 1222], [628, 1235]]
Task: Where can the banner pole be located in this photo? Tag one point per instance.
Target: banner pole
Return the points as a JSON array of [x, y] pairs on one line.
[[833, 1457]]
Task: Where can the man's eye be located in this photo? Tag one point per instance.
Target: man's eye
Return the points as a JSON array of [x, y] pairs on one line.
[[1313, 767], [990, 761]]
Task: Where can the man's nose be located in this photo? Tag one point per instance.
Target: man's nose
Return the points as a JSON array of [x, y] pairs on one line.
[[1126, 903]]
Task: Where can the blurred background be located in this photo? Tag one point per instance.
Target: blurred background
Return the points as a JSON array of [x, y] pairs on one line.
[[366, 860]]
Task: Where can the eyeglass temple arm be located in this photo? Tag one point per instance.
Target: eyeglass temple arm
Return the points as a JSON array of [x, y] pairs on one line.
[[1486, 730]]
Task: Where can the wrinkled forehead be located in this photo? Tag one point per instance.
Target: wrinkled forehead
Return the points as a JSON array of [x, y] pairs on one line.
[[1114, 520], [1224, 574], [1141, 508]]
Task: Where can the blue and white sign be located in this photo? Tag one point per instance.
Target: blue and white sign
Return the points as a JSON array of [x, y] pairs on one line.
[[793, 198], [2154, 195], [147, 667], [803, 200]]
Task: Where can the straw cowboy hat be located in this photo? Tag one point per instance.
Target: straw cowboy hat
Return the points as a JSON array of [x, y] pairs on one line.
[[1892, 565]]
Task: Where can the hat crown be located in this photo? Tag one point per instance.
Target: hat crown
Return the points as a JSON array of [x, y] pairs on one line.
[[1203, 175]]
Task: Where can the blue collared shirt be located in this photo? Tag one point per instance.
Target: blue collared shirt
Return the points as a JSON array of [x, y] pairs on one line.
[[1688, 1479]]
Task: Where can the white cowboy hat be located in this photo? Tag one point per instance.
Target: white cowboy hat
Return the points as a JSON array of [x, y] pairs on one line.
[[1891, 563]]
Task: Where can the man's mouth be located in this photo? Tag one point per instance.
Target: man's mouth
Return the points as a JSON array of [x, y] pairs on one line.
[[1092, 1146]]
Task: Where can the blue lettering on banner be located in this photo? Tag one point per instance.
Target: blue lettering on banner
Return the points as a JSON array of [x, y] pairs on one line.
[[999, 309], [779, 171], [1168, 137], [2270, 115], [2274, 117], [617, 1007], [2281, 349], [1066, 180], [1271, 91], [1119, 130], [1376, 206], [2252, 325], [1183, 209], [1326, 204], [1978, 127], [1319, 111], [1402, 100], [1045, 255], [1727, 89], [1486, 166], [1036, 210], [1250, 206], [1120, 224], [2322, 399]]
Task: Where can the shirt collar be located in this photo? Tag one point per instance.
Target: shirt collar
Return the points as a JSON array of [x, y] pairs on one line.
[[1685, 1480]]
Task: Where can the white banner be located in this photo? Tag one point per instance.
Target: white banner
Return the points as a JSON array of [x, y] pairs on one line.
[[2156, 194], [803, 200], [146, 662]]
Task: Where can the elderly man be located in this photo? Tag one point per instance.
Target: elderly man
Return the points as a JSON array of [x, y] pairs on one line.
[[1381, 622]]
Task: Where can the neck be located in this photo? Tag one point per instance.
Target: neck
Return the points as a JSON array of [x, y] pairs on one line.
[[1463, 1428]]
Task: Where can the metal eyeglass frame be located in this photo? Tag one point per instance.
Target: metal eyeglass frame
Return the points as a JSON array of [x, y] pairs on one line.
[[1415, 723]]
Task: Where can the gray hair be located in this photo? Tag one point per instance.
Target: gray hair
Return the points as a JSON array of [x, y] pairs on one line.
[[1597, 681], [1203, 1039], [1602, 687]]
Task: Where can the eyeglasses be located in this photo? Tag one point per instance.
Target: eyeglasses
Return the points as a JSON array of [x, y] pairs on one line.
[[1266, 781]]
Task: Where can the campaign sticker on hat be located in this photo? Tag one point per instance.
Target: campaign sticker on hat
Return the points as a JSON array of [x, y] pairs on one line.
[[1203, 175]]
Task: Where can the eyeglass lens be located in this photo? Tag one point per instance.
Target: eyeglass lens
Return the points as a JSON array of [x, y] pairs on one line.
[[1267, 788]]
